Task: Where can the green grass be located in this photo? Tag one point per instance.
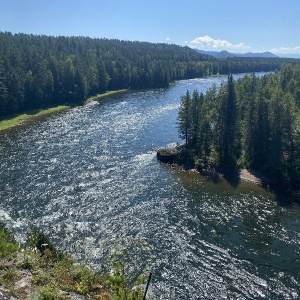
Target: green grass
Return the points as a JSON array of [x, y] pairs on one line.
[[103, 95], [22, 118], [19, 119]]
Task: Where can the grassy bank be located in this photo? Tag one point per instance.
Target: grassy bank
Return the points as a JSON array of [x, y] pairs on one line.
[[32, 115], [103, 95], [23, 118]]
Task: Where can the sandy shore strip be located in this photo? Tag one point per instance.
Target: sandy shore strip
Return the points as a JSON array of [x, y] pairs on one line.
[[253, 176]]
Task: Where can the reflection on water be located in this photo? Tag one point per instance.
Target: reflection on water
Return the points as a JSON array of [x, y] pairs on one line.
[[89, 178]]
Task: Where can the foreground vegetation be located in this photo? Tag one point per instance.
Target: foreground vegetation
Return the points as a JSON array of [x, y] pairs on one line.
[[41, 272], [44, 71], [250, 123]]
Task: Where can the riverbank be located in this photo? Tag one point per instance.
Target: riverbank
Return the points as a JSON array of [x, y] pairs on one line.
[[31, 116], [24, 119], [98, 97], [174, 156], [254, 177]]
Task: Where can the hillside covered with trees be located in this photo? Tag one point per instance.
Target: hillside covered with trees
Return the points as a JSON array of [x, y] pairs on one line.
[[249, 123], [44, 71]]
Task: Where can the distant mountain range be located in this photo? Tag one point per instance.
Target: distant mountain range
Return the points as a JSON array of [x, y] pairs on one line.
[[226, 54]]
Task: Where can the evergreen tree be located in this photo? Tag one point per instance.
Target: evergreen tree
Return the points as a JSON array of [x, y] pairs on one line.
[[205, 132], [3, 93], [184, 118], [227, 126]]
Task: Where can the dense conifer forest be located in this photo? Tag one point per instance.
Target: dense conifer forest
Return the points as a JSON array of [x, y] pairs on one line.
[[44, 71], [249, 123]]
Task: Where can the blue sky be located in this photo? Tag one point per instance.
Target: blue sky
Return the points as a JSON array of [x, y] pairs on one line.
[[235, 25]]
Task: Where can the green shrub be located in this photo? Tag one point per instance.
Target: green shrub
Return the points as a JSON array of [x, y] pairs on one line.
[[41, 277], [129, 260], [9, 274], [49, 292], [8, 277], [8, 245], [27, 262], [37, 239]]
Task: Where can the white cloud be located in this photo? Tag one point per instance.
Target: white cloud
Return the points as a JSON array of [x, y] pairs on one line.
[[208, 43], [286, 50], [168, 39]]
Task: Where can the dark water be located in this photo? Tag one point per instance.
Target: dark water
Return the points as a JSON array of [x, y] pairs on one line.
[[90, 179]]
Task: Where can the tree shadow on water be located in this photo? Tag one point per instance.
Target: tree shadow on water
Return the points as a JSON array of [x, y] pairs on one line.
[[285, 197], [211, 176], [233, 177]]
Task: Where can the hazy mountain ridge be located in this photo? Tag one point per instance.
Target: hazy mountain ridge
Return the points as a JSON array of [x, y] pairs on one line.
[[226, 54]]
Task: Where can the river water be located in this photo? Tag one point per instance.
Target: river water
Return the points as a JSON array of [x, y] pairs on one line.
[[90, 179]]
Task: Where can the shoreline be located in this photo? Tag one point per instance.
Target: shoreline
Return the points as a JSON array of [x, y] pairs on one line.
[[30, 116], [171, 156], [253, 176], [98, 97], [284, 195]]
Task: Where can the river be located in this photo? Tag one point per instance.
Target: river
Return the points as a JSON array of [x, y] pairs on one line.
[[90, 179]]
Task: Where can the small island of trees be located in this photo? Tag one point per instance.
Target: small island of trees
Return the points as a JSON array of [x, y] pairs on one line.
[[251, 123]]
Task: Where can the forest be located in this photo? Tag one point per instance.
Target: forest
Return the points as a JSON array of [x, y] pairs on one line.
[[253, 122], [39, 71]]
